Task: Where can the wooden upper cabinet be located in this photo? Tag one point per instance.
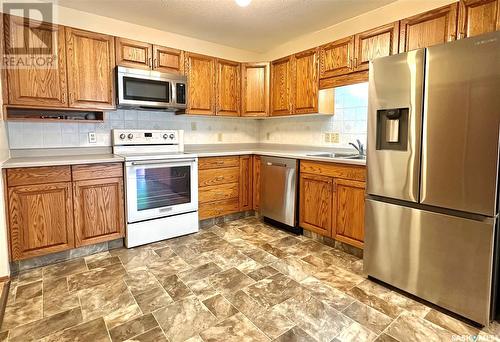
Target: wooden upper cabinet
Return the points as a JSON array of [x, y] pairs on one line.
[[99, 210], [336, 57], [255, 89], [91, 61], [40, 219], [167, 59], [477, 17], [281, 86], [349, 211], [306, 82], [200, 71], [133, 54], [379, 42], [228, 88], [36, 86], [430, 28], [315, 207]]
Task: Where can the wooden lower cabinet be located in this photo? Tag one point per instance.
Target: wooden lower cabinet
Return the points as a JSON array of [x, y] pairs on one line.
[[256, 183], [246, 193], [99, 214], [315, 213], [51, 209], [332, 200], [40, 219], [349, 211]]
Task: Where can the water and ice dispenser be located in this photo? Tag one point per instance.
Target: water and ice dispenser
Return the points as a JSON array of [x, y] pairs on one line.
[[392, 129]]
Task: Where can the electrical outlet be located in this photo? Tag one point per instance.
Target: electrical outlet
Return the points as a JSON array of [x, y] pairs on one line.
[[219, 136], [92, 138], [334, 138], [193, 126], [268, 136], [327, 137]]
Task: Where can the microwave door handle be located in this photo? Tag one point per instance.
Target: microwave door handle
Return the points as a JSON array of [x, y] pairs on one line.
[[173, 95]]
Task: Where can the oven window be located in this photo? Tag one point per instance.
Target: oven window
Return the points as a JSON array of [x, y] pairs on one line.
[[163, 187], [145, 90]]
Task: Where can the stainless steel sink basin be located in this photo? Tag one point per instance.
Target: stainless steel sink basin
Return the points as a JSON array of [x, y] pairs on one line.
[[338, 155]]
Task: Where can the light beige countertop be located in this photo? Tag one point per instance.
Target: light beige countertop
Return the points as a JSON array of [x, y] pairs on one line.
[[90, 155], [284, 151]]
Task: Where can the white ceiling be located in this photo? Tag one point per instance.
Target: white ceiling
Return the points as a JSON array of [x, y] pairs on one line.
[[258, 27]]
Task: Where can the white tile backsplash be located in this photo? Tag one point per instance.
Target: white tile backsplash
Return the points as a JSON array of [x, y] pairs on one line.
[[349, 121]]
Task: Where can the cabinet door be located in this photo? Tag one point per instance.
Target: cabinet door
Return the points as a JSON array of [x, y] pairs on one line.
[[315, 213], [306, 82], [430, 28], [336, 57], [40, 219], [99, 210], [91, 62], [379, 42], [477, 17], [246, 194], [41, 86], [133, 54], [255, 89], [200, 71], [281, 86], [168, 60], [228, 88], [349, 211], [256, 182]]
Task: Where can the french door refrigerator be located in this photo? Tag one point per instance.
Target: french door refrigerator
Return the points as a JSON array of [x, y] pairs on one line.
[[433, 167]]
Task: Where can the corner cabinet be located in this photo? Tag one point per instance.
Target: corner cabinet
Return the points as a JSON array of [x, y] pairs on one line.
[[52, 209], [228, 88], [476, 17], [91, 62], [332, 200], [306, 82], [255, 89], [430, 28], [32, 85], [200, 72], [281, 86]]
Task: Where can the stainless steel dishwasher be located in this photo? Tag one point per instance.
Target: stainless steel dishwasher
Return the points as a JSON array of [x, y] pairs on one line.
[[278, 190]]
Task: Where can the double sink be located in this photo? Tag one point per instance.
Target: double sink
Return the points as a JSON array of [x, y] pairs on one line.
[[338, 155]]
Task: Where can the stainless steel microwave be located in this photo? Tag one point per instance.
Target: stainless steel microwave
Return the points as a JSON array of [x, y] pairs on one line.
[[147, 89]]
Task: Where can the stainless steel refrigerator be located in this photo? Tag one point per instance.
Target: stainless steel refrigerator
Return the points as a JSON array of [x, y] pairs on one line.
[[433, 169]]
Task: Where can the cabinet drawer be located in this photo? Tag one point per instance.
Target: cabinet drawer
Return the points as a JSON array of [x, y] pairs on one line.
[[38, 175], [97, 171], [218, 162], [354, 172], [218, 192], [218, 208], [218, 176]]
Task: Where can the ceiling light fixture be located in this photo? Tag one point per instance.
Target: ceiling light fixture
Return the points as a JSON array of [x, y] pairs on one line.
[[243, 3]]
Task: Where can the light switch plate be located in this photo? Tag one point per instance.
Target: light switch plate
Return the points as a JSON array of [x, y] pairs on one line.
[[334, 138], [92, 138]]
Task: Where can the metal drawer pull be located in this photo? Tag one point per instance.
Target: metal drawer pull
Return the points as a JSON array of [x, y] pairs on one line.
[[276, 164], [219, 178]]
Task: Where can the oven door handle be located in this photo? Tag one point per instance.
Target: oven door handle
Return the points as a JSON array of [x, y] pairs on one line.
[[166, 162]]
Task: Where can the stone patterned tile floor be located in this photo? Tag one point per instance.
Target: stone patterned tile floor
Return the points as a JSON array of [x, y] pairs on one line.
[[239, 281]]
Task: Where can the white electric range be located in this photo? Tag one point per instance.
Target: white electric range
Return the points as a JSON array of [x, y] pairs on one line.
[[161, 185]]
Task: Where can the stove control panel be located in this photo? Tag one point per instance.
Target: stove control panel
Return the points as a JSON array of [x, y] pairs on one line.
[[146, 137]]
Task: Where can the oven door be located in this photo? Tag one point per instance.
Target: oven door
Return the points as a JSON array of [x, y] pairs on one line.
[[160, 188], [144, 90]]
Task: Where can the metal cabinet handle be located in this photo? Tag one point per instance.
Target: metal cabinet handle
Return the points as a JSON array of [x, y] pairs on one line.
[[276, 164], [150, 62]]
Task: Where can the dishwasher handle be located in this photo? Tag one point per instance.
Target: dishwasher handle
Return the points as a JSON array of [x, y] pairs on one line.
[[276, 164]]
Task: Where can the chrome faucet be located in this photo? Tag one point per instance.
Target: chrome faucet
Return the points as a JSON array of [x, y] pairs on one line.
[[359, 147]]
